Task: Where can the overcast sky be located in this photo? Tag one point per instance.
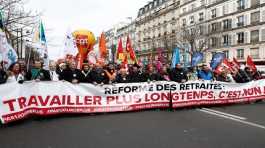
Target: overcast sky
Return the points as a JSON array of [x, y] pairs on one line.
[[95, 15]]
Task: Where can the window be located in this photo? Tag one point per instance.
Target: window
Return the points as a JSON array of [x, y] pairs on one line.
[[226, 53], [184, 22], [227, 24], [193, 6], [263, 34], [226, 40], [201, 30], [214, 27], [255, 17], [213, 13], [184, 10], [255, 36], [214, 42], [202, 2], [240, 37], [201, 17], [255, 3], [241, 4], [240, 21], [254, 53], [240, 53], [191, 19]]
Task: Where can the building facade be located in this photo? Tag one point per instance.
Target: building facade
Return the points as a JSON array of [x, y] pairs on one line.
[[156, 27], [235, 27]]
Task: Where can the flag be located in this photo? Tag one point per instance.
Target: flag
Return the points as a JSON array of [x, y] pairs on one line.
[[1, 20], [9, 55], [175, 58], [43, 49], [251, 64], [120, 54], [130, 52], [102, 46], [197, 57], [70, 47], [216, 60], [42, 33], [160, 61], [227, 64], [235, 64]]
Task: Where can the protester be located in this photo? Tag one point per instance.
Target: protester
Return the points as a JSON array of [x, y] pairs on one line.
[[193, 74], [98, 75], [23, 67], [165, 74], [3, 74], [123, 76], [205, 73], [223, 77], [249, 74], [53, 74], [15, 73], [136, 75], [86, 72], [151, 74], [60, 68], [72, 74], [111, 73], [178, 74], [38, 73]]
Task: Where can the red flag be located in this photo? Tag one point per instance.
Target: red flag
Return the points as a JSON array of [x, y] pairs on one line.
[[251, 64], [102, 46], [236, 62], [227, 64], [130, 51], [120, 54]]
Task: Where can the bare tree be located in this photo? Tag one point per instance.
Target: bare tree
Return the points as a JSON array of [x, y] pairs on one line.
[[17, 18], [193, 36]]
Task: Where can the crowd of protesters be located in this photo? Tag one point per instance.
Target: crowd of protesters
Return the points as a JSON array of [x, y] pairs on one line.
[[99, 74]]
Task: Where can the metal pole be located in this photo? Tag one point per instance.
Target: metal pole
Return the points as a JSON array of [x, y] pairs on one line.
[[30, 50], [21, 42], [17, 43]]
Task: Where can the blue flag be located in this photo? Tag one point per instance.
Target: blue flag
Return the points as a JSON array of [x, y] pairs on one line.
[[217, 59], [175, 58], [197, 57], [42, 33]]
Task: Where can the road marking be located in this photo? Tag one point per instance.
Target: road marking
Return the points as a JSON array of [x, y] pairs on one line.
[[231, 118], [226, 114]]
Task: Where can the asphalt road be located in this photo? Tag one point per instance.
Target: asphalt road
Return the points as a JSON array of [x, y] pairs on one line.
[[240, 126]]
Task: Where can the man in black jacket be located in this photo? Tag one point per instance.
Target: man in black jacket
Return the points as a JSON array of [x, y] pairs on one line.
[[72, 74], [86, 72], [135, 74], [123, 76], [98, 75], [152, 75], [178, 74]]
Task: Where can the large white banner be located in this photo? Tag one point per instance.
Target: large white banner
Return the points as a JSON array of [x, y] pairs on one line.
[[18, 101]]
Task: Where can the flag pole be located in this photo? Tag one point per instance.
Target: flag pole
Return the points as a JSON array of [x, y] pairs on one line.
[[29, 60]]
